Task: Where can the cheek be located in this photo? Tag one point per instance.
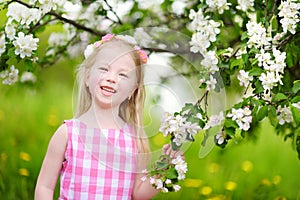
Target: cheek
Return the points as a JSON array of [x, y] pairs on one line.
[[127, 85], [93, 82]]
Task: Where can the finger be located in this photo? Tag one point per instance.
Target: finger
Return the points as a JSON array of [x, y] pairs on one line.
[[179, 153], [165, 149], [172, 154]]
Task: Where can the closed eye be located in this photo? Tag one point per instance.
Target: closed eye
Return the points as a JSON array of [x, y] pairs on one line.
[[103, 69], [123, 75]]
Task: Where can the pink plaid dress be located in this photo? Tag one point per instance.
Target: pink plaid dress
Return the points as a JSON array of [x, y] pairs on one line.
[[100, 163]]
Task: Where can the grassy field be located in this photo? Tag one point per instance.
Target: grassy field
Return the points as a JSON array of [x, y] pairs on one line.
[[265, 169]]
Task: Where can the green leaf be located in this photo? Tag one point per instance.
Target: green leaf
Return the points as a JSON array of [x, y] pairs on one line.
[[161, 165], [230, 131], [274, 23], [207, 145], [262, 113], [258, 87], [236, 62], [28, 65], [171, 173], [244, 35], [279, 97], [230, 123], [295, 99], [296, 86], [296, 114], [174, 146], [272, 116], [289, 59], [11, 53], [256, 71]]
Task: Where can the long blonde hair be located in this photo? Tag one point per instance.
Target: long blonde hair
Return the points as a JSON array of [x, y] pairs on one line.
[[131, 110]]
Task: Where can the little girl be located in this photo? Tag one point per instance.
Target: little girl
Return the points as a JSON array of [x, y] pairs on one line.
[[101, 152]]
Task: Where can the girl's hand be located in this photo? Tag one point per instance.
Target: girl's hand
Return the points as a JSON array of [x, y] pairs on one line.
[[167, 150]]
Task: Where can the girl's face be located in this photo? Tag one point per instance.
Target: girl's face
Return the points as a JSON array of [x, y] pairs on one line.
[[112, 78]]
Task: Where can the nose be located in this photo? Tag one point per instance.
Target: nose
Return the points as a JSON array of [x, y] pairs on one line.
[[110, 77]]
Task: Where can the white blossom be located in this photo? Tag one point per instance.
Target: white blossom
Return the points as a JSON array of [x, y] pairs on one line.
[[263, 58], [28, 77], [171, 124], [268, 80], [10, 30], [22, 14], [176, 187], [244, 78], [214, 120], [296, 105], [48, 5], [217, 5], [2, 44], [142, 37], [289, 11], [221, 137], [25, 44], [9, 76], [157, 182], [164, 189], [258, 35], [180, 166], [178, 6], [245, 5], [242, 116], [128, 39], [205, 29], [210, 61], [73, 11], [211, 83], [168, 181], [284, 114]]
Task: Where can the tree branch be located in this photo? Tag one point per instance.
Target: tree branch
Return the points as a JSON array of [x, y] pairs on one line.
[[63, 19]]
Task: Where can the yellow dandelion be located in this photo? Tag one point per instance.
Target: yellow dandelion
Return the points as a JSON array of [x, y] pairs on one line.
[[230, 185], [213, 167], [266, 182], [25, 156], [276, 179], [206, 190], [280, 198], [247, 166], [218, 197], [4, 156], [23, 172], [192, 183], [52, 120]]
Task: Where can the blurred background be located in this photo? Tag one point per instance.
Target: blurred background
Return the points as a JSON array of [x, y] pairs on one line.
[[264, 168]]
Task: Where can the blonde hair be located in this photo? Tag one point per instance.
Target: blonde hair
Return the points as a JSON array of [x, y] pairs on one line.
[[131, 110]]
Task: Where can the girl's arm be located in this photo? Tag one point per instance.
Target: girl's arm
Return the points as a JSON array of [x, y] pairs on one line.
[[52, 164], [143, 190]]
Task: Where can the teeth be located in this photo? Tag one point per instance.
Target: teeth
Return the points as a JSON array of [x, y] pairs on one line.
[[108, 89]]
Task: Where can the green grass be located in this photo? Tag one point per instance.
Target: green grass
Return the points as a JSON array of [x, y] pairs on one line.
[[30, 115]]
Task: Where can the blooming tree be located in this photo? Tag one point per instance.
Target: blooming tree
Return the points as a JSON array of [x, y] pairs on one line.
[[255, 43]]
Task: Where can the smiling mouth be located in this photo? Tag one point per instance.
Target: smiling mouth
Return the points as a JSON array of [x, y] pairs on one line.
[[108, 89]]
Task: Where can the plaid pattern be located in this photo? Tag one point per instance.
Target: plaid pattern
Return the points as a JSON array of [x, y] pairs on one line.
[[100, 163]]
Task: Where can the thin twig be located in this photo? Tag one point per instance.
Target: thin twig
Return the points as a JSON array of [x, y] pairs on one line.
[[114, 12]]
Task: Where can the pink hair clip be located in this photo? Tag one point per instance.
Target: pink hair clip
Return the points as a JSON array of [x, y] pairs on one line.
[[143, 55], [90, 48]]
